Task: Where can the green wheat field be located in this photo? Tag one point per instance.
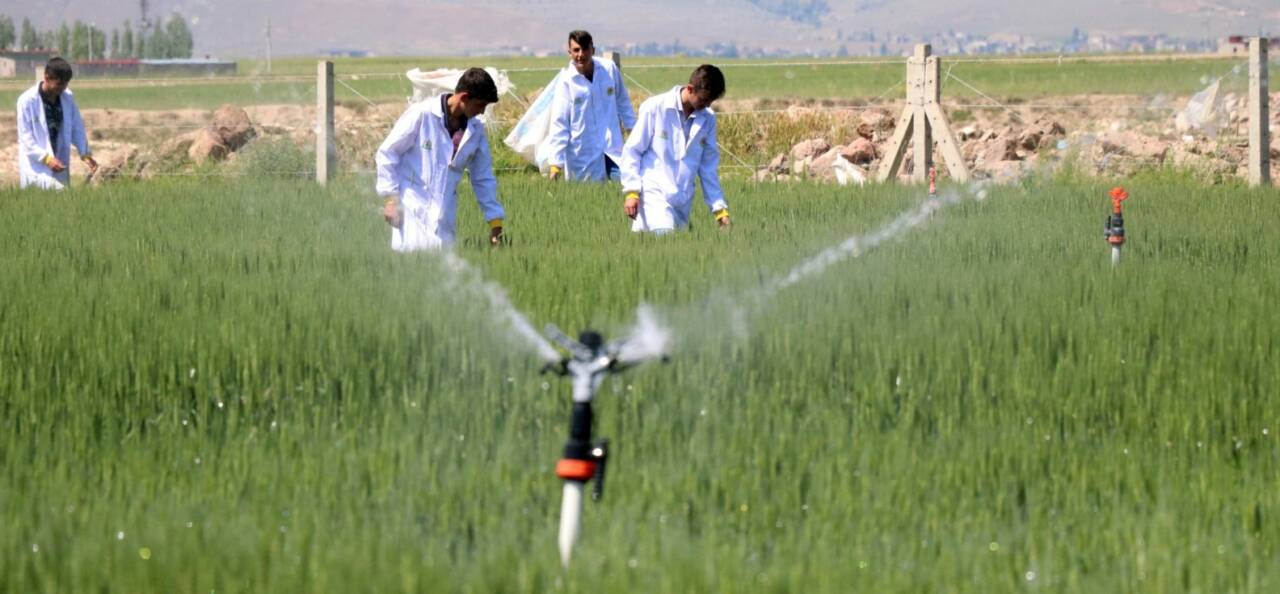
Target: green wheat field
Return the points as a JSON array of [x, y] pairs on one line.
[[233, 386]]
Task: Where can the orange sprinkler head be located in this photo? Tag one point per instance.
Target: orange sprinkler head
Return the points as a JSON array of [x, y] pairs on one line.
[[1118, 195], [570, 469]]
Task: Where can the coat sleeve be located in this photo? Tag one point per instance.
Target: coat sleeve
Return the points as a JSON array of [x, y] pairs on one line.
[[30, 148], [484, 183], [558, 129], [638, 142], [403, 136], [78, 137], [709, 170], [626, 113]]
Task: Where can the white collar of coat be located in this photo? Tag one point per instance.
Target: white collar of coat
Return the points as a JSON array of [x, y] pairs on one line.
[[434, 108], [36, 88], [674, 103], [571, 72]]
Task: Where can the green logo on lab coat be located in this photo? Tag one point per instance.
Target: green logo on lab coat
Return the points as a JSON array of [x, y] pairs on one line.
[[426, 146]]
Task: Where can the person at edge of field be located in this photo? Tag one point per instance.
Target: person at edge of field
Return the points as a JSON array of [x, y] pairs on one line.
[[49, 124], [421, 161], [674, 140], [584, 139]]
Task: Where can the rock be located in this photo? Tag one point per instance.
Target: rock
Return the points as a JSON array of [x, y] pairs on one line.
[[820, 168], [1043, 133], [119, 166], [860, 152], [232, 126], [176, 148], [207, 145], [808, 149], [1004, 172], [875, 124], [779, 164], [1001, 148], [1134, 145]]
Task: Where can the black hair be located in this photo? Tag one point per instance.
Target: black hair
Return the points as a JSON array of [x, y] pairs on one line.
[[59, 69], [582, 38], [708, 81], [478, 84]]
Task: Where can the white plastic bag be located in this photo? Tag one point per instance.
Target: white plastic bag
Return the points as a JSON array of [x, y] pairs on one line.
[[529, 134], [1202, 112], [445, 80]]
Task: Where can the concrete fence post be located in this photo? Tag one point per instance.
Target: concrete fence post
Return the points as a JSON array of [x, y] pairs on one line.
[[326, 150], [1259, 115]]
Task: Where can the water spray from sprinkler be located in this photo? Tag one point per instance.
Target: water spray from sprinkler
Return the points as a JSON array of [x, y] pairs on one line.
[[590, 360], [1114, 231]]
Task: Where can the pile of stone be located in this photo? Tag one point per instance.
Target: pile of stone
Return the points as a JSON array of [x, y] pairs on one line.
[[228, 131]]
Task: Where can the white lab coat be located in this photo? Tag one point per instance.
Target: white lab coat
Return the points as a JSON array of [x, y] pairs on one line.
[[416, 164], [33, 140], [585, 116], [660, 163]]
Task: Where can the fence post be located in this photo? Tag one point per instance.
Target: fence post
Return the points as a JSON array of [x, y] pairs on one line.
[[1259, 115], [921, 137], [326, 152]]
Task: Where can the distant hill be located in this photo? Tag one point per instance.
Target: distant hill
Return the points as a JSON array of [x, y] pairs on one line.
[[235, 28]]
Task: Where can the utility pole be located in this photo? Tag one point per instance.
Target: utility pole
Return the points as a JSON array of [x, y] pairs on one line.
[[268, 45]]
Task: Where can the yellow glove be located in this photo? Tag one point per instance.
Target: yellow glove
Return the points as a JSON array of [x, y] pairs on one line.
[[722, 214], [494, 224]]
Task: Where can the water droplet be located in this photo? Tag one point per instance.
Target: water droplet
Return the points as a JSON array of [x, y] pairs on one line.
[[777, 524], [1126, 451], [662, 519], [1222, 549], [71, 509], [702, 413], [220, 404], [632, 563], [863, 565], [1029, 420], [1047, 437], [804, 507], [35, 548], [897, 381], [191, 374], [1030, 576], [191, 524], [283, 530], [1199, 444], [197, 460], [273, 424], [120, 535], [413, 404], [743, 508], [1265, 431], [145, 553], [184, 422], [993, 546], [462, 437], [545, 386]]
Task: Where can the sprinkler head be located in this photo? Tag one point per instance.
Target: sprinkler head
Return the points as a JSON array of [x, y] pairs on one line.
[[591, 339]]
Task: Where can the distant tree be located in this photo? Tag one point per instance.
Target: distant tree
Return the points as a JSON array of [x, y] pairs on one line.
[[97, 43], [115, 43], [158, 43], [140, 46], [80, 41], [126, 42], [64, 40], [7, 33], [30, 38], [179, 36]]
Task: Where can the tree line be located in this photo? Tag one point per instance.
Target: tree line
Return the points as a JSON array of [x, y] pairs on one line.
[[79, 41]]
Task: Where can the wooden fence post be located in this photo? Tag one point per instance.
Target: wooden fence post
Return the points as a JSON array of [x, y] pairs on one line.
[[326, 150], [923, 121], [1259, 115]]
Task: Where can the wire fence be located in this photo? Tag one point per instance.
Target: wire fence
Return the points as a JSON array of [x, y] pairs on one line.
[[968, 82]]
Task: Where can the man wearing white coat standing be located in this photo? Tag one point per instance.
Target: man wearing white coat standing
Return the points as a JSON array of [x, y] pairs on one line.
[[674, 141], [49, 124], [420, 165], [584, 139]]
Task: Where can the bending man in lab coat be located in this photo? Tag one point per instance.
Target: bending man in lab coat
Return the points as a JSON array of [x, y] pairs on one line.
[[584, 139], [49, 124], [420, 166], [674, 140]]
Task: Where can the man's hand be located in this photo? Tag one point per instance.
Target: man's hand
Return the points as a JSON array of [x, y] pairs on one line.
[[632, 204], [725, 223], [54, 164], [89, 160], [391, 212], [495, 236]]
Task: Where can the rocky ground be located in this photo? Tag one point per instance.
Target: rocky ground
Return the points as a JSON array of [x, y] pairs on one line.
[[1110, 135]]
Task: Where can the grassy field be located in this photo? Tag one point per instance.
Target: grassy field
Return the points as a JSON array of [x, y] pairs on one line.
[[380, 80], [233, 386]]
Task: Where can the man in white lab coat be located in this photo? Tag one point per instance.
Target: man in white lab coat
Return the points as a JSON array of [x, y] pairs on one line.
[[420, 165], [49, 124], [673, 142], [584, 139]]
